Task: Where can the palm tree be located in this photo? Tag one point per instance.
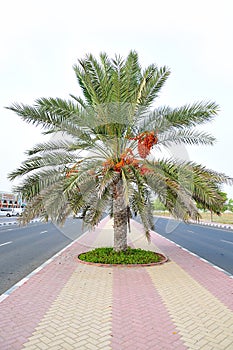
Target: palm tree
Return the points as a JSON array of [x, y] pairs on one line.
[[100, 157]]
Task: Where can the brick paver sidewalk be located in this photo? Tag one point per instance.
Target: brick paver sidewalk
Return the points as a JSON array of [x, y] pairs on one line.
[[182, 304]]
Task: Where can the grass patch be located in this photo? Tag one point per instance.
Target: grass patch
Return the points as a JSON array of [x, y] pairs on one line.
[[224, 218], [130, 256]]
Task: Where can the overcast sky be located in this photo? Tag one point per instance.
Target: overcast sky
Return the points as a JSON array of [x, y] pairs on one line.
[[41, 40]]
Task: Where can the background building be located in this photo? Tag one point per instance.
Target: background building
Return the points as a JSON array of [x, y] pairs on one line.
[[10, 200]]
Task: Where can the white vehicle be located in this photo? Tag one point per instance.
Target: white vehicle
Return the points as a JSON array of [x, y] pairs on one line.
[[79, 215], [17, 211], [6, 212]]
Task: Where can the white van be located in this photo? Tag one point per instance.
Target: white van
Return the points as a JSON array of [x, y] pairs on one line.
[[6, 212], [17, 211]]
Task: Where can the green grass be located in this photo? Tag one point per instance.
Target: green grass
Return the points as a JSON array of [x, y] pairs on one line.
[[224, 218], [130, 256]]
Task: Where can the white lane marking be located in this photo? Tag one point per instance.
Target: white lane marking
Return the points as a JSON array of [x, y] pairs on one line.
[[5, 243], [9, 229], [43, 232], [222, 240]]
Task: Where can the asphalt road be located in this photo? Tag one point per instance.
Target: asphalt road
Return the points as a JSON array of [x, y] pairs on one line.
[[23, 249], [211, 243]]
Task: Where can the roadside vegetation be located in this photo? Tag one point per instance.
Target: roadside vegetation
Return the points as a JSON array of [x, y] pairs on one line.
[[129, 256], [223, 218], [225, 215]]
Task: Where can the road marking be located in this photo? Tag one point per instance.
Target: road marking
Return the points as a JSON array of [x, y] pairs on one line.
[[43, 232], [5, 243], [222, 240], [9, 229]]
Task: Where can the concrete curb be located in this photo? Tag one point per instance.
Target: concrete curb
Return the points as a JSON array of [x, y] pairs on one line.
[[197, 256], [212, 224], [10, 223], [39, 268], [25, 279]]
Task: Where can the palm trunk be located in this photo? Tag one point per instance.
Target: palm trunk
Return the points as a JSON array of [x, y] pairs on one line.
[[120, 218]]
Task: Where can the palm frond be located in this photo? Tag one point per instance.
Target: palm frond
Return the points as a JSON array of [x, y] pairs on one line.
[[142, 206], [182, 182], [164, 118], [106, 181], [32, 185], [49, 112], [48, 146], [153, 80], [59, 145], [185, 136], [130, 78], [53, 159], [91, 76], [34, 208]]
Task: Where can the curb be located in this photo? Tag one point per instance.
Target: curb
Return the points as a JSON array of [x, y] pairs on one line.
[[9, 223], [197, 256], [194, 254], [16, 222], [38, 269], [212, 224], [25, 279]]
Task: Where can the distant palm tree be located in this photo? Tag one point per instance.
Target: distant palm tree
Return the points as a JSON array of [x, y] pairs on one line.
[[117, 127]]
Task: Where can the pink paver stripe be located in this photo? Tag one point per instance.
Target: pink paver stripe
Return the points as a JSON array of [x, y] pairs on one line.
[[23, 310], [215, 281], [139, 317]]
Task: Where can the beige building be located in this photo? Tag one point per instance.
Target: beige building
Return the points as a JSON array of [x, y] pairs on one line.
[[9, 200]]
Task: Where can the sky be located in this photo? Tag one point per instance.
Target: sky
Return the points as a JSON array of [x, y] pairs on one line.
[[40, 41]]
